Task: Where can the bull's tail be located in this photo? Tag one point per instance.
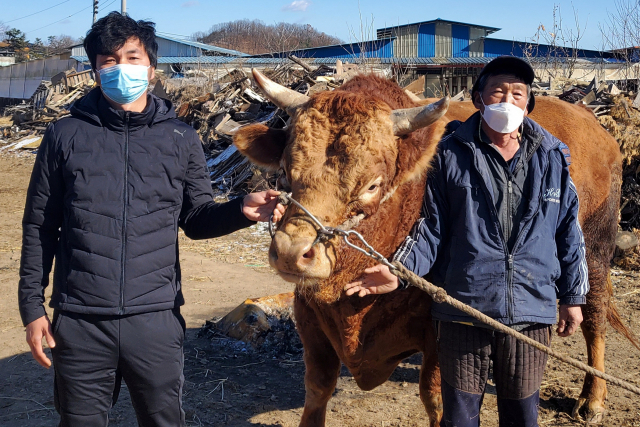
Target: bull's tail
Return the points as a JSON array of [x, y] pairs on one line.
[[614, 318]]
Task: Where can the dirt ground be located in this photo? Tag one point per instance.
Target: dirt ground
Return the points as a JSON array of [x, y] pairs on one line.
[[228, 384]]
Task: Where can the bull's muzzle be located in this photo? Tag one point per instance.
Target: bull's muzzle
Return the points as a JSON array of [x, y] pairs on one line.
[[296, 257]]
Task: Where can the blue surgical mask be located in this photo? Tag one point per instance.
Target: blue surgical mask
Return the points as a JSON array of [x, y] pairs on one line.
[[124, 83]]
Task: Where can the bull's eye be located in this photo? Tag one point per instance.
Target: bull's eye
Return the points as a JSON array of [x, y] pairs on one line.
[[369, 192]]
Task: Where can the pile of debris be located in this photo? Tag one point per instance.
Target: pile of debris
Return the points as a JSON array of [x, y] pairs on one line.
[[597, 96], [231, 103], [623, 123], [266, 324], [22, 125], [619, 112]]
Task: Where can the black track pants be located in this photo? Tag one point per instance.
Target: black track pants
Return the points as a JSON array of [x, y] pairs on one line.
[[465, 353], [94, 353]]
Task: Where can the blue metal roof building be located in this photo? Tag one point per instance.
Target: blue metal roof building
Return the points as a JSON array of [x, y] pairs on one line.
[[381, 48], [175, 47], [172, 46], [438, 38], [448, 53]]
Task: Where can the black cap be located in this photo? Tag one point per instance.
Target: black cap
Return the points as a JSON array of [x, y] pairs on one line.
[[509, 65]]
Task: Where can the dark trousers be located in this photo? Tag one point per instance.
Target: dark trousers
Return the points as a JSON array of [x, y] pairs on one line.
[[93, 353], [465, 354]]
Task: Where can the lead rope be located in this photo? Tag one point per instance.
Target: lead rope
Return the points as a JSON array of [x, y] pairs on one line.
[[439, 295]]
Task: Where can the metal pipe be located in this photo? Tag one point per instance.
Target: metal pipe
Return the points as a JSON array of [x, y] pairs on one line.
[[123, 8]]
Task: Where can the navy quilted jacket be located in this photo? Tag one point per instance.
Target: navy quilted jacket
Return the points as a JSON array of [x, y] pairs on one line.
[[108, 191], [459, 242]]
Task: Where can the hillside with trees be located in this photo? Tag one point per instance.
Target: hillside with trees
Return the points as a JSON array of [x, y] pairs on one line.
[[255, 37], [15, 40]]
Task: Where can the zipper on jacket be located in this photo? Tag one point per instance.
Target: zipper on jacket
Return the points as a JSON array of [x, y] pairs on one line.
[[510, 250], [125, 198], [510, 286], [509, 218]]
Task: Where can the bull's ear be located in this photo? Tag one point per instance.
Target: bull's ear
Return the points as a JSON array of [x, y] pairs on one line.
[[262, 145], [416, 151]]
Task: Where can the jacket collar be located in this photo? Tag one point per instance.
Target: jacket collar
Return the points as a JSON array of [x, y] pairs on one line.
[[96, 108]]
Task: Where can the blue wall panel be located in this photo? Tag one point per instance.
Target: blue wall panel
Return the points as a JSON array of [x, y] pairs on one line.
[[494, 48], [369, 49], [427, 41], [460, 41]]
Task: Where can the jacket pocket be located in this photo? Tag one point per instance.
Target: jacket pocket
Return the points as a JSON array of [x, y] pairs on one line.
[[55, 324]]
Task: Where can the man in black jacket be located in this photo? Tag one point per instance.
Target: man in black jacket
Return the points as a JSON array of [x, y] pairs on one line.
[[110, 186]]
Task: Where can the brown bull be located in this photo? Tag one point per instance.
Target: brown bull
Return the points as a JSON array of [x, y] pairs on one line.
[[365, 149]]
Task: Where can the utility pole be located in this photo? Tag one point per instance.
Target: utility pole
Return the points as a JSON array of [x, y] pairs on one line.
[[95, 10], [123, 9]]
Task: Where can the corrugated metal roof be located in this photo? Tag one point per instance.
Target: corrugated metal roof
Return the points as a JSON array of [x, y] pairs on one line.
[[492, 29], [348, 47], [203, 46], [469, 60], [591, 51], [196, 59], [353, 60], [265, 60], [182, 59]]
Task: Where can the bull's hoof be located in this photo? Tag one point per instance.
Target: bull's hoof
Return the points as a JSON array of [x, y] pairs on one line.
[[592, 413]]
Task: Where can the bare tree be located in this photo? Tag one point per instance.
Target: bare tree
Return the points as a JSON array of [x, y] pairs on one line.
[[3, 29], [556, 50], [621, 34], [57, 44]]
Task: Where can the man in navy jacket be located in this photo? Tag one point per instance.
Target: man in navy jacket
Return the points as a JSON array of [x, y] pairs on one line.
[[110, 187], [500, 233]]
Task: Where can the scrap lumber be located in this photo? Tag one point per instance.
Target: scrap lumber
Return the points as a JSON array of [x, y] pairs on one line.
[[417, 86], [22, 125], [297, 60]]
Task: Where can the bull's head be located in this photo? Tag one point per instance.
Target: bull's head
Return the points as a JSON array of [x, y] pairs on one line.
[[344, 153]]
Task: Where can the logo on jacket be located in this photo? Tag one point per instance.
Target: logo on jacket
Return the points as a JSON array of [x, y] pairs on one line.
[[552, 195], [180, 133]]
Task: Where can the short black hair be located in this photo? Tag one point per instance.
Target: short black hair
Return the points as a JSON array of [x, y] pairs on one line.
[[110, 33]]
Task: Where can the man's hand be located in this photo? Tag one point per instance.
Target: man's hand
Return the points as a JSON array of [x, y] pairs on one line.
[[36, 330], [569, 318], [377, 280], [260, 206]]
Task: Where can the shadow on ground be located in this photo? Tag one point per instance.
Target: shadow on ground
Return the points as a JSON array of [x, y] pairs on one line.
[[223, 386]]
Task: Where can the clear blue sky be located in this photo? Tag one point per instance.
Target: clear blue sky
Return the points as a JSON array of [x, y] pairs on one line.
[[341, 18]]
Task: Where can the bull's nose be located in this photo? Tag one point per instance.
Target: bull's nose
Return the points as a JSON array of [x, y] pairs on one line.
[[295, 256], [307, 258]]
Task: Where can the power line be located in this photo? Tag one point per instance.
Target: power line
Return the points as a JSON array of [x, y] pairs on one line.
[[178, 35], [67, 17], [40, 11]]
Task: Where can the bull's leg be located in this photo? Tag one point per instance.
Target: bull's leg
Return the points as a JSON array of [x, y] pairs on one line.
[[430, 386], [590, 404], [599, 234], [322, 367]]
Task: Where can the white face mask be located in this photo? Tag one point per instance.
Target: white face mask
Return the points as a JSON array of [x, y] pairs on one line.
[[502, 117]]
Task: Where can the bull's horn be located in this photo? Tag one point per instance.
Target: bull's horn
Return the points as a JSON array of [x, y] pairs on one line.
[[285, 98], [407, 120]]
